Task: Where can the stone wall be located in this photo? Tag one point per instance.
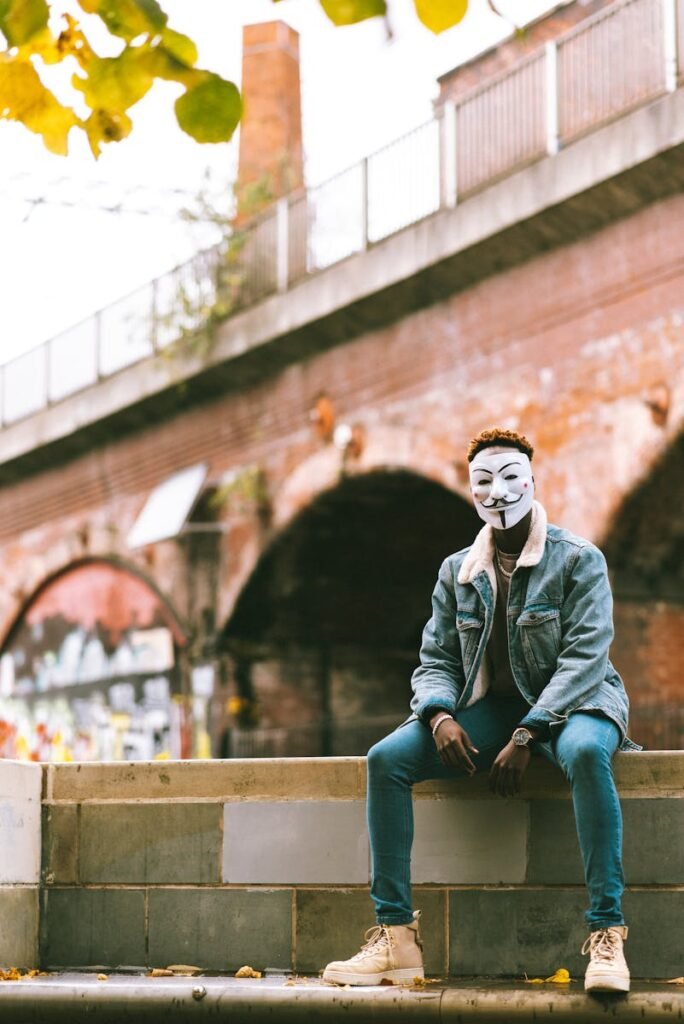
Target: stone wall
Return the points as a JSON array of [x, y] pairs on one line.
[[266, 862]]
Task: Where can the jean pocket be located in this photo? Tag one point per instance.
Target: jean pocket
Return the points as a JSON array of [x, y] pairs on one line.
[[469, 632], [540, 637]]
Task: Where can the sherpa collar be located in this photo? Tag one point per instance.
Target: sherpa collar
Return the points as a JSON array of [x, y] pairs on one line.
[[481, 554]]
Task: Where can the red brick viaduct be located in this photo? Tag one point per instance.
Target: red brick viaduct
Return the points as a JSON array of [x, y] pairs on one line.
[[306, 570]]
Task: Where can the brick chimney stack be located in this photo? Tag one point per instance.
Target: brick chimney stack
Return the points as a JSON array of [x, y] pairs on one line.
[[270, 163]]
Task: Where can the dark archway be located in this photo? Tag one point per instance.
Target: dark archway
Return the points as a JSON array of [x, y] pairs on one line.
[[645, 554], [327, 629]]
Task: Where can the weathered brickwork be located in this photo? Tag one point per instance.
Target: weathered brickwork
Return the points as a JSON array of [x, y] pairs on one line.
[[581, 348], [271, 131]]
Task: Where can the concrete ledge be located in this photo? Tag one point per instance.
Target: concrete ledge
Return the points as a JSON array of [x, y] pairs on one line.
[[657, 773], [76, 998]]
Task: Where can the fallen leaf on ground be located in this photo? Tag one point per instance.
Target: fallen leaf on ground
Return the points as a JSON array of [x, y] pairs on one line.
[[14, 974], [247, 972], [675, 981], [184, 970], [103, 977], [559, 977], [160, 972]]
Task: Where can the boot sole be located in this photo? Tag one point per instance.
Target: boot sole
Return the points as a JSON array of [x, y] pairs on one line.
[[401, 976], [606, 983]]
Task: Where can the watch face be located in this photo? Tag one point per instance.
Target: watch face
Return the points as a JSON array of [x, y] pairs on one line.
[[521, 737]]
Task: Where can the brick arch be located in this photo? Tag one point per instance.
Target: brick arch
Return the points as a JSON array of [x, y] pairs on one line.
[[22, 608], [385, 448]]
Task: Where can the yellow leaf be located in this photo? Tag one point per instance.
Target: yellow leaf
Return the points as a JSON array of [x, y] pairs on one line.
[[116, 83], [23, 97], [179, 47], [349, 12], [439, 15], [20, 20], [104, 126], [128, 18], [103, 977], [675, 981], [247, 972], [560, 977]]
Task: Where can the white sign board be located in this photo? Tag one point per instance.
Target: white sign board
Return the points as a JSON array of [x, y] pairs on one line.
[[166, 510]]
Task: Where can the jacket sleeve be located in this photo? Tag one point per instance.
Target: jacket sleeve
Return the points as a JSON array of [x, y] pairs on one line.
[[438, 681], [586, 635]]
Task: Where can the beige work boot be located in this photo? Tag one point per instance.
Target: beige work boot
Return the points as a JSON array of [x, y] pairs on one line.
[[607, 970], [391, 952]]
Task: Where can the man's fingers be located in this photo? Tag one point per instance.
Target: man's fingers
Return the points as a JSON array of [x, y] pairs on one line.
[[453, 754], [467, 742]]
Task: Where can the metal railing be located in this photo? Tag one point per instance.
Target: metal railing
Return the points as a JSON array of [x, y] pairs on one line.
[[627, 54]]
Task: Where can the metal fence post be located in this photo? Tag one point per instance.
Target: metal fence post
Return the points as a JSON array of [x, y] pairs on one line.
[[154, 337], [48, 372], [552, 137], [282, 245], [670, 44], [365, 213], [449, 155], [98, 345]]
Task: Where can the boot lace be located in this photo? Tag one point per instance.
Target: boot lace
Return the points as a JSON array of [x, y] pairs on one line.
[[603, 945], [375, 940]]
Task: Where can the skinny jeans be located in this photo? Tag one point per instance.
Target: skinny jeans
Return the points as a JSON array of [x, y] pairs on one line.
[[583, 748]]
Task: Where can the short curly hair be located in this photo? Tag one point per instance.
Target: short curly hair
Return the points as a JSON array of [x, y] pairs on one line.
[[499, 436]]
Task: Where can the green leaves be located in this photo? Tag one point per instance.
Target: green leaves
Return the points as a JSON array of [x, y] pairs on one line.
[[128, 18], [21, 20], [437, 15], [210, 111], [348, 12]]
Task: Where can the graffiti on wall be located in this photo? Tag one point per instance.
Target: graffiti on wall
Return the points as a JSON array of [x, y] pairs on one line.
[[90, 671]]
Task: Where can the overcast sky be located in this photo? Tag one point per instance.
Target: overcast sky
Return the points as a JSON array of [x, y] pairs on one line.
[[360, 90]]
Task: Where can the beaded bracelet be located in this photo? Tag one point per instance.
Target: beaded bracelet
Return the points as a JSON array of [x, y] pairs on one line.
[[442, 718]]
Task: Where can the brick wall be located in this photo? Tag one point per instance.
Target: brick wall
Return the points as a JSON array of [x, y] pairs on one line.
[[580, 347]]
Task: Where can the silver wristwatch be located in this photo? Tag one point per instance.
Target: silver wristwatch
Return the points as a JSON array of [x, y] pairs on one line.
[[522, 737]]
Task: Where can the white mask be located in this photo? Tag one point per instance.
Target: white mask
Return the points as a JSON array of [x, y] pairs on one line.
[[502, 486]]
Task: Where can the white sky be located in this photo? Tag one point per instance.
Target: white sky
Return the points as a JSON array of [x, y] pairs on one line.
[[359, 91]]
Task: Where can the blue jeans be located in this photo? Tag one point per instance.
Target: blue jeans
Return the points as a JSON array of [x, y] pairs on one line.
[[583, 749]]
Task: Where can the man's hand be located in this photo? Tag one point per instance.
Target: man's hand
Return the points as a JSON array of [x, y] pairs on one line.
[[453, 744], [508, 769]]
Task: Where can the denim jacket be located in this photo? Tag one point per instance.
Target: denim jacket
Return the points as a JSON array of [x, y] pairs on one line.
[[560, 626]]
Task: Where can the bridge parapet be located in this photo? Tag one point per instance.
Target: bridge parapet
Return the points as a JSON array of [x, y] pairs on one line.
[[266, 862]]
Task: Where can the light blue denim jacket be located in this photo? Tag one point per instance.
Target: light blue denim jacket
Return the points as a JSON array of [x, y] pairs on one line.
[[560, 626]]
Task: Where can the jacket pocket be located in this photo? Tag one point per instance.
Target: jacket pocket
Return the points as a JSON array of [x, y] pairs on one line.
[[469, 632], [540, 637]]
